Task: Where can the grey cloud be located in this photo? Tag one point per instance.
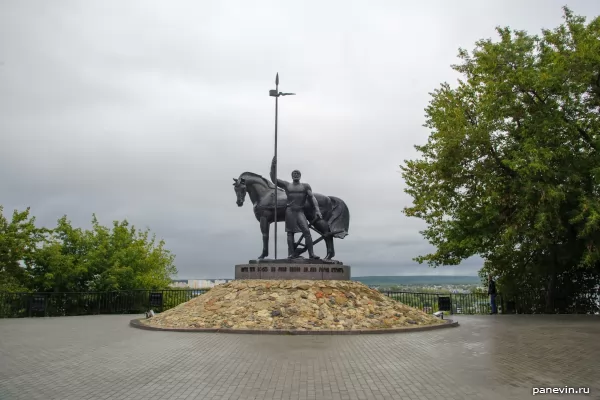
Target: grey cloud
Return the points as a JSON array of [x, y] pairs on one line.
[[146, 111]]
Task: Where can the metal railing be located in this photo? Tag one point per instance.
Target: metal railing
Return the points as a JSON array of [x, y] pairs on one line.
[[479, 303], [15, 305], [453, 303], [559, 303]]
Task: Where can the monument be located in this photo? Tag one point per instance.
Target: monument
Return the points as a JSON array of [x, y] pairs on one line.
[[302, 210], [293, 295]]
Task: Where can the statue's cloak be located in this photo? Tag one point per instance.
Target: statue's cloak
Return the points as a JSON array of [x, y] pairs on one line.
[[340, 217], [334, 211]]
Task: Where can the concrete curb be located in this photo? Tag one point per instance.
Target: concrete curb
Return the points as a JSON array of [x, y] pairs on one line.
[[448, 323]]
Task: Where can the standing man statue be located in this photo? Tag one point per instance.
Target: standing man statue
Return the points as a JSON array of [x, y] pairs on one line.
[[295, 220]]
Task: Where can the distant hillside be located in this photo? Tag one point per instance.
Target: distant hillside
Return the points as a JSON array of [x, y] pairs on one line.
[[418, 280]]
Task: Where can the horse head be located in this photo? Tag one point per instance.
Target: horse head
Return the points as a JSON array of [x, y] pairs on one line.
[[239, 186]]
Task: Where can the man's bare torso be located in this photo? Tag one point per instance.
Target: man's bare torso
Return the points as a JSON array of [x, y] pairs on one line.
[[297, 193]]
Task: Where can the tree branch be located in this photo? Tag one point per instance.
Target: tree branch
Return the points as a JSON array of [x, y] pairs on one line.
[[582, 133], [505, 168]]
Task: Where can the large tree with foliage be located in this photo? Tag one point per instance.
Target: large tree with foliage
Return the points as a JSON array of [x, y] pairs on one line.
[[65, 258], [511, 170], [19, 238], [100, 259]]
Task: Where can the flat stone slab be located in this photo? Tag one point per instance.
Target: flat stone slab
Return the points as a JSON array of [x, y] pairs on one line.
[[137, 323], [288, 271]]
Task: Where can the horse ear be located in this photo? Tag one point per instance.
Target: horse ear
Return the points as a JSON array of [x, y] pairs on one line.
[[235, 180]]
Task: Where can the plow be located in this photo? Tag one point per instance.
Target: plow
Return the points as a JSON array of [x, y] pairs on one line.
[[300, 245]]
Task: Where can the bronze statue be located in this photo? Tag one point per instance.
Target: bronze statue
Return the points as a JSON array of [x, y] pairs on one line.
[[329, 216], [295, 220]]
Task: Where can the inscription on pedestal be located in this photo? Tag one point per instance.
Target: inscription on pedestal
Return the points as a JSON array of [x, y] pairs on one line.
[[274, 271]]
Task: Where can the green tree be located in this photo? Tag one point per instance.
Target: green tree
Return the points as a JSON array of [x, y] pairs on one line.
[[511, 170], [19, 238], [101, 259]]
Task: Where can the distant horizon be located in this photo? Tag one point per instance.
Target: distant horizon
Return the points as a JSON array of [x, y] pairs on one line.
[[362, 276], [366, 276]]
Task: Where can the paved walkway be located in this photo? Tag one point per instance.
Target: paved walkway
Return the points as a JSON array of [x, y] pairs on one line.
[[487, 357]]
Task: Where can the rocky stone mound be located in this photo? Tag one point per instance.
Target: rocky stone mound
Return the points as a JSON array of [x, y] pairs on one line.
[[292, 305]]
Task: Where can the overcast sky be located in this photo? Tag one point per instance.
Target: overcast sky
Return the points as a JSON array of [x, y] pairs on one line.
[[146, 110]]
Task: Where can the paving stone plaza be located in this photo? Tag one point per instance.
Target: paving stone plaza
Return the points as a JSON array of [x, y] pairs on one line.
[[486, 357]]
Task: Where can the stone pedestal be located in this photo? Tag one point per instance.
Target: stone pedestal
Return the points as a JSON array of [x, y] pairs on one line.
[[301, 269]]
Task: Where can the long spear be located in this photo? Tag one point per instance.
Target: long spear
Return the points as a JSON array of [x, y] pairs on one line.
[[275, 93]]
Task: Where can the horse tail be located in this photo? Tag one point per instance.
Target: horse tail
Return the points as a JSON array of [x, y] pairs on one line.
[[340, 217]]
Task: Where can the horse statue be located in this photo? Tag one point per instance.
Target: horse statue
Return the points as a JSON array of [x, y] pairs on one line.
[[335, 221]]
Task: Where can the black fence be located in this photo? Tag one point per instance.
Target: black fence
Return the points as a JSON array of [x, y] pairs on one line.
[[558, 303], [479, 303], [452, 303], [15, 305]]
